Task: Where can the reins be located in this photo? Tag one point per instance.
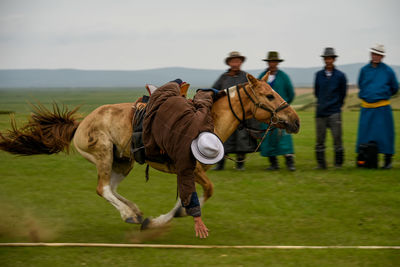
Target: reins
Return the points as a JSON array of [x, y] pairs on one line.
[[273, 120]]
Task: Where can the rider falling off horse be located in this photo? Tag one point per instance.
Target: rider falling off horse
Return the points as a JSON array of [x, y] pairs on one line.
[[183, 129]]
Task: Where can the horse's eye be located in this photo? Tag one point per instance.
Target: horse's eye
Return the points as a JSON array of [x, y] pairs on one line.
[[270, 97]]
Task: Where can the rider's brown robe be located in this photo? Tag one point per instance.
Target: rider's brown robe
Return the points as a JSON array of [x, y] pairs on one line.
[[171, 123]]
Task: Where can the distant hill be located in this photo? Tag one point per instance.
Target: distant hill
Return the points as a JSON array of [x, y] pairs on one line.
[[62, 78]]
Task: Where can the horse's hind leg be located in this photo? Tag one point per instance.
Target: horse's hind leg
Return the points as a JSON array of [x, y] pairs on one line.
[[120, 170], [100, 152], [108, 181]]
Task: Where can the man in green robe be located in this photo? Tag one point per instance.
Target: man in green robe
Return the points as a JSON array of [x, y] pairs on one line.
[[278, 142]]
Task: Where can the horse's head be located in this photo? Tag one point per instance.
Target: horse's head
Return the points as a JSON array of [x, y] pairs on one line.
[[269, 106]]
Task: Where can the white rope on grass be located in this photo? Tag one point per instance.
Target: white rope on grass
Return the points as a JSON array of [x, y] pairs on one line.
[[185, 246]]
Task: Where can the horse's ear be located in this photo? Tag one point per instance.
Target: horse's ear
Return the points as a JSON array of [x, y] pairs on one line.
[[265, 77], [253, 81]]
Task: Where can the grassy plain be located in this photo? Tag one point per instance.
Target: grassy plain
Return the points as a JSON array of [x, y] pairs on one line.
[[53, 198]]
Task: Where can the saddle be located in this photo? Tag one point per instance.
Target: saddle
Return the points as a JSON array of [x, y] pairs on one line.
[[137, 145]]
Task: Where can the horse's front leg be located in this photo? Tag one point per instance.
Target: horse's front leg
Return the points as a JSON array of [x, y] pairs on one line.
[[178, 210], [162, 219]]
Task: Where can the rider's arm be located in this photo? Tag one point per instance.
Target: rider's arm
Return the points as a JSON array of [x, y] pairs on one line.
[[193, 208]]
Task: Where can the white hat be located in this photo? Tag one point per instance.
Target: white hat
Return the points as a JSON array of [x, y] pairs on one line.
[[378, 49], [207, 148]]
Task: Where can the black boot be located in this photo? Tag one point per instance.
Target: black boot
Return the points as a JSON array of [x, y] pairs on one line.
[[220, 165], [274, 163], [321, 160], [290, 162], [339, 156], [240, 162], [388, 162]]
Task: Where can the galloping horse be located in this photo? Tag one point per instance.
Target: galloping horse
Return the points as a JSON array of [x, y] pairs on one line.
[[103, 137]]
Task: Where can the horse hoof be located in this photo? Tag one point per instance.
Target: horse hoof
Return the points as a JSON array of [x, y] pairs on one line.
[[145, 224], [130, 220], [137, 220]]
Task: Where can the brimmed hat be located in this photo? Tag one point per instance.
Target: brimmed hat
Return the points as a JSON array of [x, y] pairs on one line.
[[234, 54], [329, 52], [273, 56], [378, 49], [207, 148]]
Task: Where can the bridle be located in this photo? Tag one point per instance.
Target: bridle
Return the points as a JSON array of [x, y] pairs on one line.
[[257, 104]]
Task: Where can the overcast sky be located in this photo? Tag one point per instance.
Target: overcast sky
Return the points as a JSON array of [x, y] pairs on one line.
[[145, 34]]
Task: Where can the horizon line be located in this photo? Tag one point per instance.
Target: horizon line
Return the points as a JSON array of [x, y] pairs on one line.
[[170, 67]]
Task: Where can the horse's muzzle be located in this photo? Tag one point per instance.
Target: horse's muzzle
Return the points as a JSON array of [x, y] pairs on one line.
[[292, 127]]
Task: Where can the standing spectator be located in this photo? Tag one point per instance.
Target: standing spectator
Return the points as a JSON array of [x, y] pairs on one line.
[[377, 83], [278, 142], [330, 89], [240, 142]]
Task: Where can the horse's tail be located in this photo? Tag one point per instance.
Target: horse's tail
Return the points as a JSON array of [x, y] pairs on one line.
[[47, 132]]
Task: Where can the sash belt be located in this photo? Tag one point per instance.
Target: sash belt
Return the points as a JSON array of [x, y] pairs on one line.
[[378, 104]]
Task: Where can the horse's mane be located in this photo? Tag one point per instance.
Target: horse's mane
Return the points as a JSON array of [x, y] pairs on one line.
[[222, 93]]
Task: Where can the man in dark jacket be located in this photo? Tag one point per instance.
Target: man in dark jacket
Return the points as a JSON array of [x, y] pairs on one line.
[[240, 142], [330, 89], [170, 125]]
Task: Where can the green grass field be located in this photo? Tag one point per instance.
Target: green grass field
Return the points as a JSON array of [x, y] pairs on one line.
[[53, 199]]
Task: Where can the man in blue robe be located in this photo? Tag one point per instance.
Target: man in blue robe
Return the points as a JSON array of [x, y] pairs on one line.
[[377, 83]]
